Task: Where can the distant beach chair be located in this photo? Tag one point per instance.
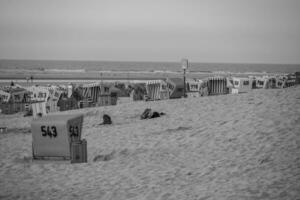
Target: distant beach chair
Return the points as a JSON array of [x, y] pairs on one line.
[[39, 109], [260, 82], [279, 83], [203, 90], [217, 85], [242, 84]]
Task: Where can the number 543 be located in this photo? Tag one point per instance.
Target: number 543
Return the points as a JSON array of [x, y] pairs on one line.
[[49, 131]]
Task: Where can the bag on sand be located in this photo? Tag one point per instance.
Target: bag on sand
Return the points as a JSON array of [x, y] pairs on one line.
[[106, 120]]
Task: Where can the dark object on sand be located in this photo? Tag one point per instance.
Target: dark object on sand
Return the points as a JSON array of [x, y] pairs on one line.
[[106, 120], [149, 114], [28, 113], [105, 157]]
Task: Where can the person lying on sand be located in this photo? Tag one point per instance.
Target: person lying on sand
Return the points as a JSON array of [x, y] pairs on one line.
[[149, 114]]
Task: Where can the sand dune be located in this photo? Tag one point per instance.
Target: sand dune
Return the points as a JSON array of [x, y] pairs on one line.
[[244, 146]]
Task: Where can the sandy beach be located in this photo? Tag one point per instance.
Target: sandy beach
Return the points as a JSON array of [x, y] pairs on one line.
[[225, 75], [244, 146]]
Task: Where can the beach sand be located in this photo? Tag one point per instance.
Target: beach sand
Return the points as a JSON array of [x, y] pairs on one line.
[[244, 146]]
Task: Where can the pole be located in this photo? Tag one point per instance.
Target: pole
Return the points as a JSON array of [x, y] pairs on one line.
[[184, 95], [101, 84], [184, 65]]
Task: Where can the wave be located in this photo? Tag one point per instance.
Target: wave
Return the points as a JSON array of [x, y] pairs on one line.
[[154, 72], [65, 70]]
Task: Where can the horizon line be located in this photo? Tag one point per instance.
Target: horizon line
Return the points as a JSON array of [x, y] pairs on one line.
[[149, 61]]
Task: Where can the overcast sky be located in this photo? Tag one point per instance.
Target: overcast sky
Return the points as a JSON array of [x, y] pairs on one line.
[[258, 31]]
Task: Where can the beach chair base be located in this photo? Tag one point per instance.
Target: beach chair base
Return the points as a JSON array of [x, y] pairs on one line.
[[79, 151]]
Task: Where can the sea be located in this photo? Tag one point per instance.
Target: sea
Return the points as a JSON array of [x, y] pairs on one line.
[[132, 66]]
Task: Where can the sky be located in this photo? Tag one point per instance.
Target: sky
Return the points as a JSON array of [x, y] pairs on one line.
[[242, 31]]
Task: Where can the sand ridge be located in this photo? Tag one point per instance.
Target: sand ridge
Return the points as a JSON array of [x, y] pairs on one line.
[[243, 146]]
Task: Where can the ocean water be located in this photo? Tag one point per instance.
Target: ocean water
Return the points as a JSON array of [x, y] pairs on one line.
[[146, 66]]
